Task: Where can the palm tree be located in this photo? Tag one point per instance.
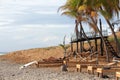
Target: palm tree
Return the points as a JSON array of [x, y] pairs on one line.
[[87, 10], [109, 9], [71, 9]]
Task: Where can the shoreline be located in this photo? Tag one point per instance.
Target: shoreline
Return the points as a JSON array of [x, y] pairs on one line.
[[1, 54]]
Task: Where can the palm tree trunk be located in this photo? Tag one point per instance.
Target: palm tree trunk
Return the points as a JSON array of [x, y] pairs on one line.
[[115, 37], [81, 46], [86, 36], [101, 38]]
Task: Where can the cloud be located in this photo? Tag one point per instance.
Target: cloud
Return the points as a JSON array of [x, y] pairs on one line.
[[18, 37], [33, 2], [27, 37], [6, 21], [33, 12], [45, 12], [50, 38], [46, 26], [32, 23]]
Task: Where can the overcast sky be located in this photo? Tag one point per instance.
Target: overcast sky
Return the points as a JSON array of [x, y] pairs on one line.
[[26, 24]]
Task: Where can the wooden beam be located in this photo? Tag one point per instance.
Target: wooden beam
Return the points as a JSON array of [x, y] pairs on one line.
[[101, 42]]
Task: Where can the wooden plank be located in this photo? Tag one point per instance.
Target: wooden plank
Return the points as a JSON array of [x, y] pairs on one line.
[[99, 70], [78, 67], [90, 69], [117, 75]]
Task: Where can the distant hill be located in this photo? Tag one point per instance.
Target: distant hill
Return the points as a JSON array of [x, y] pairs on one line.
[[25, 56]]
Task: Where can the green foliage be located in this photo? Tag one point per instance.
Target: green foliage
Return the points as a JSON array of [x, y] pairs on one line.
[[64, 47]]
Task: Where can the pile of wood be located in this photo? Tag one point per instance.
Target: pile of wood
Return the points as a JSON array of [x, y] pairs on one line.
[[53, 59], [50, 62]]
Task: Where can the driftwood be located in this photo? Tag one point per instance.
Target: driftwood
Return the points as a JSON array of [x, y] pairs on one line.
[[52, 59], [28, 64]]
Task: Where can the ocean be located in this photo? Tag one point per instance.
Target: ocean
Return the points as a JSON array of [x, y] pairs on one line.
[[2, 53]]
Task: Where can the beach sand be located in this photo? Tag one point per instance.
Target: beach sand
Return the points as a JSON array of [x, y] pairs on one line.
[[11, 71]]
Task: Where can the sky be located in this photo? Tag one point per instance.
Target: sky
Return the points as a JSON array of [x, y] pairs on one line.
[[26, 24]]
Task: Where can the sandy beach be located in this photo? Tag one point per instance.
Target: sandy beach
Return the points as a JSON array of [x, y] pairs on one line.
[[11, 71]]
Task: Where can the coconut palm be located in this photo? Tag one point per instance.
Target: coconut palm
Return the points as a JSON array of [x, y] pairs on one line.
[[107, 8], [71, 9], [82, 11], [89, 11]]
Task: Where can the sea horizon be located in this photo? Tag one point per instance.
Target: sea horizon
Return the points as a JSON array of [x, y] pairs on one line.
[[2, 53]]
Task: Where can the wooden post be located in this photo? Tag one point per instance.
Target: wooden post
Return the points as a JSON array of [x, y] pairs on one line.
[[96, 48], [71, 47], [77, 32], [78, 67], [99, 72], [81, 46], [77, 46], [101, 42], [90, 69], [101, 47]]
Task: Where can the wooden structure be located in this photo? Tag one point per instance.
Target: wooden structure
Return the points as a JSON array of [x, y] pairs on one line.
[[79, 37], [101, 71], [82, 65], [90, 36]]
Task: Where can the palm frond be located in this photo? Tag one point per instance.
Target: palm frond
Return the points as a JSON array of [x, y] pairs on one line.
[[62, 46], [67, 46], [93, 26], [105, 14], [70, 14]]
